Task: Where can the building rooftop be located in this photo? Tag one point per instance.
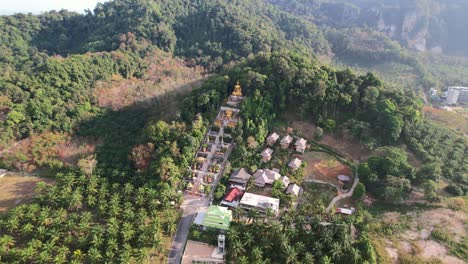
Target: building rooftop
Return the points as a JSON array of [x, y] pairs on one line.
[[343, 178], [295, 163], [240, 176], [286, 140], [233, 194], [217, 217], [260, 201], [267, 176], [293, 189], [199, 251], [273, 137], [285, 180], [301, 143], [267, 152]]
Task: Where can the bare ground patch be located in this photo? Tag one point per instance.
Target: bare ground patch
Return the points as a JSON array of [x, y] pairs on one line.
[[418, 241], [323, 167], [16, 189], [344, 143], [163, 74]]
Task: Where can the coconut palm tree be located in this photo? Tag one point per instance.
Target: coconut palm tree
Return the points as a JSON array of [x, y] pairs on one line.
[[248, 239], [270, 214], [237, 248], [355, 255], [256, 254], [233, 233], [127, 232], [291, 254], [237, 213], [94, 256], [6, 242], [253, 215], [325, 260]]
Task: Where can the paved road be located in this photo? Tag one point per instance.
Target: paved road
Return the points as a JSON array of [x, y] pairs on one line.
[[191, 205], [344, 195]]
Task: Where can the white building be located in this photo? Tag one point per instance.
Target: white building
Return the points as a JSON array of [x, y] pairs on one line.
[[457, 95], [259, 202]]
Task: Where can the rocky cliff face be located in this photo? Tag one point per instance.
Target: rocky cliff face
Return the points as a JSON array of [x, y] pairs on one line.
[[424, 25], [435, 25]]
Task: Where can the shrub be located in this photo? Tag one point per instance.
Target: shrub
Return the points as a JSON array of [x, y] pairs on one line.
[[318, 135], [455, 190]]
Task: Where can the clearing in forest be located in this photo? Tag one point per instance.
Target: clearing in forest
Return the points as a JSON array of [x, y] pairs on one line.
[[344, 143], [323, 167], [16, 189], [435, 234], [455, 118], [316, 193]]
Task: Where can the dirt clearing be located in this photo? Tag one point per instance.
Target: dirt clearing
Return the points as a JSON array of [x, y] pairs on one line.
[[15, 189], [433, 234], [343, 143], [323, 167]]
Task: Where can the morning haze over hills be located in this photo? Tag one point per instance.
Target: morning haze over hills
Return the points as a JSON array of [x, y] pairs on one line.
[[264, 131]]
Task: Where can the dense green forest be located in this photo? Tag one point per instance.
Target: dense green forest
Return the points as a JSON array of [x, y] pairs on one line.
[[51, 64]]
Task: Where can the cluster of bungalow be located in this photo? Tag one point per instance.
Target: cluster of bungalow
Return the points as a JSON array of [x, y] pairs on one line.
[[300, 146]]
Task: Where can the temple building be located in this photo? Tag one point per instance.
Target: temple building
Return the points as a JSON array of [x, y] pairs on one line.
[[236, 97]]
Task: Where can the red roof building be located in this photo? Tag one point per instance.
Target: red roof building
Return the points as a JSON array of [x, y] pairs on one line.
[[233, 194]]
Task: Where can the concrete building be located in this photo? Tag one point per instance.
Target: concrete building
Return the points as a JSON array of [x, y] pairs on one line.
[[215, 217], [201, 253], [261, 203], [457, 95]]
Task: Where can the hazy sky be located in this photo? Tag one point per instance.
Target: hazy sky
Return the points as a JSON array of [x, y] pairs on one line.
[[37, 6]]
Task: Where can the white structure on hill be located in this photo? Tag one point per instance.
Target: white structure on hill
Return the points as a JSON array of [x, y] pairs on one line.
[[457, 95]]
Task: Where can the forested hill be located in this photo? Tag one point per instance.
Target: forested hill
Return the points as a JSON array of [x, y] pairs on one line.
[[42, 91], [434, 25]]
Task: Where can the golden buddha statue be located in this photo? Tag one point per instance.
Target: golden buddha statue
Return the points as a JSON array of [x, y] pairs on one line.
[[229, 114], [237, 90]]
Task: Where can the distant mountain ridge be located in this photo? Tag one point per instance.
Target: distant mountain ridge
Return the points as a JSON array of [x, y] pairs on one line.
[[423, 25]]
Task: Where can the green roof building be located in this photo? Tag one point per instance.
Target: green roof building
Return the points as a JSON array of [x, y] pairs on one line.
[[217, 217]]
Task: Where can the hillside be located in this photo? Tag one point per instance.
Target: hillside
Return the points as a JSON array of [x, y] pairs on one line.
[[420, 25]]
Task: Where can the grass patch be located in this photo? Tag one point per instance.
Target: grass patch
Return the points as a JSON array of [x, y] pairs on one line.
[[17, 189], [458, 249], [209, 236], [318, 194], [379, 208]]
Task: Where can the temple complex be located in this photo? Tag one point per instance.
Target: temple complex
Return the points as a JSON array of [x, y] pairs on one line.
[[229, 114]]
